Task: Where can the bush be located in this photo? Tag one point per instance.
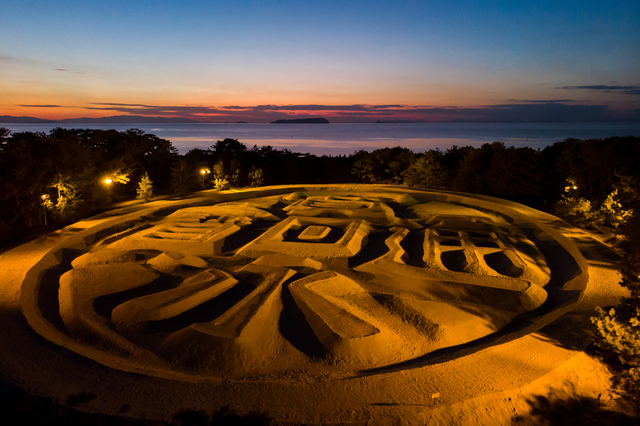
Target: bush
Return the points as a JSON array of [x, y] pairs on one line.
[[612, 213], [578, 211], [145, 188], [222, 184], [256, 176]]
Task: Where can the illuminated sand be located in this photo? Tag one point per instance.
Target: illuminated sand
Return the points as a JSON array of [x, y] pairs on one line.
[[316, 305]]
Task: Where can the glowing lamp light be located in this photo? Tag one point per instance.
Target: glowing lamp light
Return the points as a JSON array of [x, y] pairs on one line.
[[44, 197], [204, 172], [575, 187], [107, 181]]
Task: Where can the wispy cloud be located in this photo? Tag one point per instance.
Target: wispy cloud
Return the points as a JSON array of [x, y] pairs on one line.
[[523, 111], [315, 107], [66, 70], [160, 110], [43, 106], [545, 101], [7, 58], [626, 90]]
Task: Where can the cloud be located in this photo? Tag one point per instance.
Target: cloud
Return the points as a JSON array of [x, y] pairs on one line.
[[546, 101], [161, 110], [9, 59], [315, 107], [123, 105], [66, 70], [527, 111], [626, 90], [43, 106]]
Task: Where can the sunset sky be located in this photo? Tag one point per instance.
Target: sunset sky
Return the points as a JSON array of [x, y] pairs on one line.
[[355, 61]]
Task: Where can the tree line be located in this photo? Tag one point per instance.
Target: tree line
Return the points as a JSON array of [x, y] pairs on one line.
[[70, 168]]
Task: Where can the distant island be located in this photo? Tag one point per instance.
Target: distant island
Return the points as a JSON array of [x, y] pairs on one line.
[[302, 121]]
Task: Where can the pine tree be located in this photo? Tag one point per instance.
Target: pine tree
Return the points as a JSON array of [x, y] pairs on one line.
[[145, 188], [219, 171], [68, 201]]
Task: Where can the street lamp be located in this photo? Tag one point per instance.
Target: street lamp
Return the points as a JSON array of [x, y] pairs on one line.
[[108, 182], [204, 172], [44, 197]]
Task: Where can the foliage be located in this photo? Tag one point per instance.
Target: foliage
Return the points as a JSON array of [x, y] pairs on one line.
[[560, 408], [76, 162], [472, 170], [515, 173], [612, 213], [119, 176], [228, 149], [234, 172], [256, 177], [382, 165], [222, 184], [428, 171], [578, 211], [184, 177], [68, 202], [219, 172], [29, 163], [617, 330], [145, 188], [620, 334]]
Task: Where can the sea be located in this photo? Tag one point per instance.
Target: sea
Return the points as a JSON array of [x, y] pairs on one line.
[[346, 138]]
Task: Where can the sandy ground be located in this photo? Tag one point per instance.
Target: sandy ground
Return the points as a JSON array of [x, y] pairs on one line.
[[338, 304]]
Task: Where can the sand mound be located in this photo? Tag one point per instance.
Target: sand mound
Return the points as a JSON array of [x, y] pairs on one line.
[[172, 261], [102, 257]]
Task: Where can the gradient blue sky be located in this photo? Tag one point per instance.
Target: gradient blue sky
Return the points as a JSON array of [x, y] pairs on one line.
[[344, 60]]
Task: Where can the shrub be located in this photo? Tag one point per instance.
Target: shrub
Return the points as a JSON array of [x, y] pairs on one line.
[[145, 188], [612, 213], [222, 184], [578, 211], [256, 176]]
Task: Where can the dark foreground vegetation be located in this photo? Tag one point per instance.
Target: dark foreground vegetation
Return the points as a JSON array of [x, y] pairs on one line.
[[49, 180]]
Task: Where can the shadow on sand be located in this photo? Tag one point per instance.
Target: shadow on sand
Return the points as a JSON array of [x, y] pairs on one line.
[[561, 408]]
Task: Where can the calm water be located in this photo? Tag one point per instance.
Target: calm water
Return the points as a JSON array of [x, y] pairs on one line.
[[335, 139]]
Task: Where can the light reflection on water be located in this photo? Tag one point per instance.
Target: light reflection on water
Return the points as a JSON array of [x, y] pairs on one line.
[[342, 138]]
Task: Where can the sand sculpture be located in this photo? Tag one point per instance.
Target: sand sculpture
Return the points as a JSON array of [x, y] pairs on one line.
[[305, 281], [305, 303]]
